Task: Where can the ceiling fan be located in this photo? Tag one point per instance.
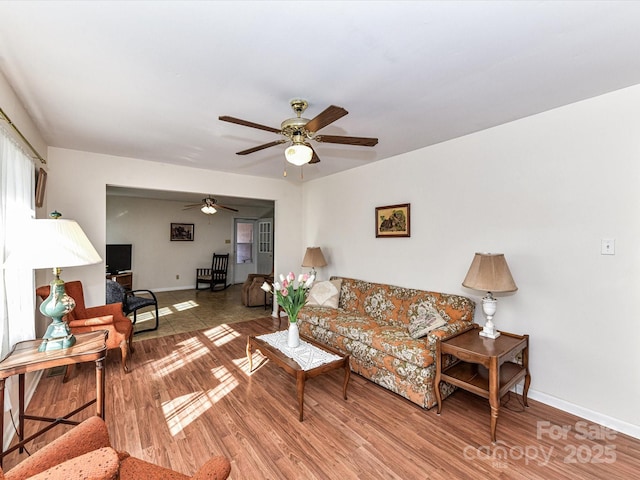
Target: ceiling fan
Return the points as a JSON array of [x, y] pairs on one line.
[[298, 131], [209, 206]]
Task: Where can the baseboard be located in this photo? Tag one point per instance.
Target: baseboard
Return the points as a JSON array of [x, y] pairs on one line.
[[189, 287], [593, 416], [9, 431], [173, 289]]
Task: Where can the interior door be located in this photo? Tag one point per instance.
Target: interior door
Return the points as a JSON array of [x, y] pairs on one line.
[[265, 245], [244, 248]]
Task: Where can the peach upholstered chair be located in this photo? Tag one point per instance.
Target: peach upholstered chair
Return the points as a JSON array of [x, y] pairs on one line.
[[85, 453], [89, 319], [252, 294]]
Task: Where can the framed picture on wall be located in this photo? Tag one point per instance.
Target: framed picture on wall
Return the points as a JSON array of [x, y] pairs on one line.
[[393, 221], [182, 232], [41, 185]]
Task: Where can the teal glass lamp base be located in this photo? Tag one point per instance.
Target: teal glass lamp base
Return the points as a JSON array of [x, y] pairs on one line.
[[57, 337], [56, 306]]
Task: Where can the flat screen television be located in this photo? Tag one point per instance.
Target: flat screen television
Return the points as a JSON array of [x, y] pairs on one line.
[[118, 258]]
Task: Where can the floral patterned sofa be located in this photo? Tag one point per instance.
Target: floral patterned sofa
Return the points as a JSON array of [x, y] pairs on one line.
[[371, 323]]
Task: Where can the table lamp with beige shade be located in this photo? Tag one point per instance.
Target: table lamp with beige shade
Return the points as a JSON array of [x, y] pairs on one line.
[[489, 272], [54, 243], [313, 258]]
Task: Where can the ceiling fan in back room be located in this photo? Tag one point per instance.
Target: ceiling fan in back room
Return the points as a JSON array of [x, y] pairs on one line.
[[297, 131], [209, 206]]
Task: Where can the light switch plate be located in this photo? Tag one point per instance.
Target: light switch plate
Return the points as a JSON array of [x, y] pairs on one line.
[[608, 246]]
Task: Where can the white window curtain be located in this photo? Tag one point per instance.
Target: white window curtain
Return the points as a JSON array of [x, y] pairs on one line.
[[17, 189]]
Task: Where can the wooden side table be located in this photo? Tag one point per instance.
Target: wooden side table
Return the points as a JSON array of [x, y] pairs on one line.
[[124, 279], [484, 366], [24, 358]]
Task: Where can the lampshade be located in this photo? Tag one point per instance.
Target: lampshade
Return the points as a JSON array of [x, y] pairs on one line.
[[489, 272], [313, 257], [208, 209], [298, 154], [53, 243]]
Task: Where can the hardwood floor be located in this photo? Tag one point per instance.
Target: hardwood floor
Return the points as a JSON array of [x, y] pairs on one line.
[[190, 396]]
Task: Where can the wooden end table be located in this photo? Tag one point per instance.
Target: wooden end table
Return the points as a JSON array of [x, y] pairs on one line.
[[24, 358], [484, 366], [292, 368]]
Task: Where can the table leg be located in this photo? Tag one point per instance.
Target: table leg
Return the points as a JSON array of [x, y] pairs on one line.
[[527, 376], [2, 419], [438, 377], [300, 389], [347, 375], [494, 401], [21, 410], [249, 354], [100, 384]]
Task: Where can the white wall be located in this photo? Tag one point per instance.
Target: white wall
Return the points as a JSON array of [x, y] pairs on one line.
[[11, 105], [77, 188], [156, 260], [544, 191]]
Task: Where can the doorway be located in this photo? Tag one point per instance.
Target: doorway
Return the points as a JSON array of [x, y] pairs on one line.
[[244, 248]]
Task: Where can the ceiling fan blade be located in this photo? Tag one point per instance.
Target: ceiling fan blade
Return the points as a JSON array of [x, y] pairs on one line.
[[239, 121], [261, 147], [361, 141], [217, 205], [187, 207], [315, 158], [329, 115]]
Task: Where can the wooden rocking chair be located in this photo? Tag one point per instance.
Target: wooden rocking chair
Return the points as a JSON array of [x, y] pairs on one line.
[[216, 275]]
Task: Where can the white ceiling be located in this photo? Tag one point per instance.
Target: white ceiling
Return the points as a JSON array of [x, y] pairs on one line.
[[148, 79], [189, 198]]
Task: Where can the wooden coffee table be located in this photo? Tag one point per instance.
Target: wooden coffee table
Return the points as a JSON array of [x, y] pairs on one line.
[[294, 369]]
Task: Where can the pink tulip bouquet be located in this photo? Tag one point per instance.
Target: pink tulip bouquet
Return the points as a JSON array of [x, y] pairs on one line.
[[291, 295]]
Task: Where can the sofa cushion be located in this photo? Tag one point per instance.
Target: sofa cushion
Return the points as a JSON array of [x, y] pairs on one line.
[[325, 294], [134, 468], [423, 323], [101, 464], [388, 339]]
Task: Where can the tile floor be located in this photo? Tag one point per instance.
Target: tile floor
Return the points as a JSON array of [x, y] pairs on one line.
[[190, 310]]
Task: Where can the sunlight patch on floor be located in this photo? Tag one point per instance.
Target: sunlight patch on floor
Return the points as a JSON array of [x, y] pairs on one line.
[[182, 411], [243, 363], [189, 350], [185, 305], [221, 334], [144, 316], [227, 383]]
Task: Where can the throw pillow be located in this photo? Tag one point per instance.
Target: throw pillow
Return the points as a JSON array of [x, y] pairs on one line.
[[425, 322], [325, 294]]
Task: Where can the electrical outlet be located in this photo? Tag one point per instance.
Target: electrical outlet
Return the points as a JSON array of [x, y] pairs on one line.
[[177, 277], [608, 246]]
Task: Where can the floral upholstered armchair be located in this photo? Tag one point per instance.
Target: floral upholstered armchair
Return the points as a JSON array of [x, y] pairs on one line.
[[85, 453]]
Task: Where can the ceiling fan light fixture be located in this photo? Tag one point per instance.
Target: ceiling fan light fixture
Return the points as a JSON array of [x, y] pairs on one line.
[[208, 209], [298, 154]]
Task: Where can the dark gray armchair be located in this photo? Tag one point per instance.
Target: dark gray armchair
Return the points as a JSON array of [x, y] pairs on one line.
[[132, 301]]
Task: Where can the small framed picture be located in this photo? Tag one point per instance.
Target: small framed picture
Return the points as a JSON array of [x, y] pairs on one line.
[[393, 221], [182, 232], [41, 185]]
